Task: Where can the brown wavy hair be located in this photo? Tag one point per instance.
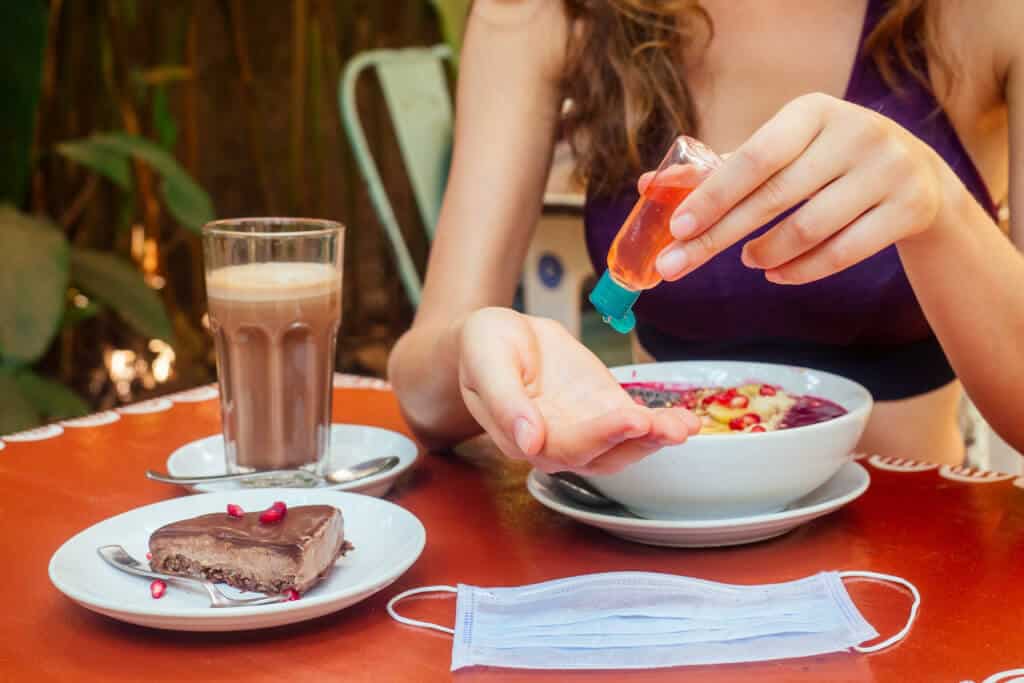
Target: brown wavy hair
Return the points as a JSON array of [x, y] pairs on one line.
[[629, 96]]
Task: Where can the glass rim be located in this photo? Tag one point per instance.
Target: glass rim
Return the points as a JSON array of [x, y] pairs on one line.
[[295, 227]]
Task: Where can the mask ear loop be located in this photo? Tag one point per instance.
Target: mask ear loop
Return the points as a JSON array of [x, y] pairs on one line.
[[415, 622], [913, 607]]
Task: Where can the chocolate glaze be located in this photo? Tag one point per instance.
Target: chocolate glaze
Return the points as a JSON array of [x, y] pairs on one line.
[[290, 535]]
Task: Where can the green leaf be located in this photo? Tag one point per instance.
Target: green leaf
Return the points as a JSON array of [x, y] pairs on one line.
[[120, 286], [51, 399], [22, 45], [163, 119], [75, 314], [16, 413], [109, 163], [185, 200], [33, 281]]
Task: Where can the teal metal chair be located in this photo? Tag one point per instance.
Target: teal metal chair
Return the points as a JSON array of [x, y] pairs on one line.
[[415, 88]]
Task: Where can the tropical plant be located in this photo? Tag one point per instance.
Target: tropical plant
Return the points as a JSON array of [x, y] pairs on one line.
[[47, 284], [174, 81], [38, 265]]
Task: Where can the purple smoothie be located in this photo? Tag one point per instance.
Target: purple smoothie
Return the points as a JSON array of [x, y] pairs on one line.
[[807, 410]]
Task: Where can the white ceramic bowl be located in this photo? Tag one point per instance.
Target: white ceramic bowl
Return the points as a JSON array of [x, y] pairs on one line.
[[722, 476]]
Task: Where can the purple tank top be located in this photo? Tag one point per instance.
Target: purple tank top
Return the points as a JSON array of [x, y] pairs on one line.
[[864, 322]]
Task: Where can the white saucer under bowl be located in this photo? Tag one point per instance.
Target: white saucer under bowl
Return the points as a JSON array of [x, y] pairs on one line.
[[387, 541], [350, 444], [846, 485]]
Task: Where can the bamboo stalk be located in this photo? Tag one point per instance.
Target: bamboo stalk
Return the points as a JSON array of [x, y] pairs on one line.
[[150, 205], [79, 203], [300, 12], [251, 102], [316, 132], [45, 105], [191, 94]]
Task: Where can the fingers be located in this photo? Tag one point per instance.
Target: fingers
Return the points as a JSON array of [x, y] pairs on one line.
[[826, 213], [773, 147], [674, 425], [577, 444], [676, 175], [493, 378], [863, 238], [816, 167], [643, 181], [621, 457], [669, 427]]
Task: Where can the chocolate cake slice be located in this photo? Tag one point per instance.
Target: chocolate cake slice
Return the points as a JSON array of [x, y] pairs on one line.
[[293, 552]]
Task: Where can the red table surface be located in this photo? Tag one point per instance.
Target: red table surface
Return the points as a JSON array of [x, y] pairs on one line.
[[961, 543]]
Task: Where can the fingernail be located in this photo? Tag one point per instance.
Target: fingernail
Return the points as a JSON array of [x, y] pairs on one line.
[[671, 263], [774, 277], [682, 226], [523, 433], [746, 258]]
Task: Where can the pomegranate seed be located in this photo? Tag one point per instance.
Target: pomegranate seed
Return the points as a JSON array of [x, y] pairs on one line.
[[758, 428], [279, 505], [235, 510], [271, 516], [292, 594], [766, 390], [707, 400], [690, 403], [149, 556], [739, 402], [744, 421], [157, 589]]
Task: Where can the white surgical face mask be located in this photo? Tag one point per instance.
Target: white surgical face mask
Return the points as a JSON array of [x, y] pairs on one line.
[[641, 620]]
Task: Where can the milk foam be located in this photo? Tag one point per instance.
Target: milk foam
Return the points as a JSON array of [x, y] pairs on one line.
[[272, 281]]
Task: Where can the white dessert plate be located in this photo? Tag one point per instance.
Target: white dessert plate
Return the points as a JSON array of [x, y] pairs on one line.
[[387, 541], [845, 486], [350, 445]]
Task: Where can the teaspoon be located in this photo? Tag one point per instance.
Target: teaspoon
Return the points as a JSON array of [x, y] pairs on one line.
[[296, 478]]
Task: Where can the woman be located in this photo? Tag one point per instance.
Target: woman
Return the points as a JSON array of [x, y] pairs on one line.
[[884, 123]]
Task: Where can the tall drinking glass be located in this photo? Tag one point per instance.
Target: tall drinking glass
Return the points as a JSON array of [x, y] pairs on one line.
[[274, 291]]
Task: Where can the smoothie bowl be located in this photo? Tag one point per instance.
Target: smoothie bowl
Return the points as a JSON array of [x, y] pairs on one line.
[[771, 435]]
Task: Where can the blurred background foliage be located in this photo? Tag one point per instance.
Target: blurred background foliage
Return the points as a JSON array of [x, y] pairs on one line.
[[128, 124]]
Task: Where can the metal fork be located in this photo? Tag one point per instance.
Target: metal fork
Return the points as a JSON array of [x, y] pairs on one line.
[[118, 558]]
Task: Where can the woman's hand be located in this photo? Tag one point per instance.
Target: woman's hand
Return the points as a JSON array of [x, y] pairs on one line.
[[543, 397], [867, 182]]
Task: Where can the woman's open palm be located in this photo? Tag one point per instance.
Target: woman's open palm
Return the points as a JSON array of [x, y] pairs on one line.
[[546, 398]]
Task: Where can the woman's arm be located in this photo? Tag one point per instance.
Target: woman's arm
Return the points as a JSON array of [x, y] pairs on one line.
[[467, 364], [868, 184], [507, 104], [969, 277]]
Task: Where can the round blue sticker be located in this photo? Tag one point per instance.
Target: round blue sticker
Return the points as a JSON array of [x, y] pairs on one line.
[[550, 270]]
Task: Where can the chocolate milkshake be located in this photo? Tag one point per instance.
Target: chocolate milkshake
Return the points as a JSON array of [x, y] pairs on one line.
[[275, 326]]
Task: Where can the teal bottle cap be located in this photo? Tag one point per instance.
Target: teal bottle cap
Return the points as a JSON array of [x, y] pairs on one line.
[[615, 303]]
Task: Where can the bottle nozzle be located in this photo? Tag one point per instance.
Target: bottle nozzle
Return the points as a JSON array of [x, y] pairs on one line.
[[615, 303]]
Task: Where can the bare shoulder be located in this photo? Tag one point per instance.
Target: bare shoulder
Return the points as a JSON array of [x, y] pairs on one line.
[[984, 39], [540, 28]]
